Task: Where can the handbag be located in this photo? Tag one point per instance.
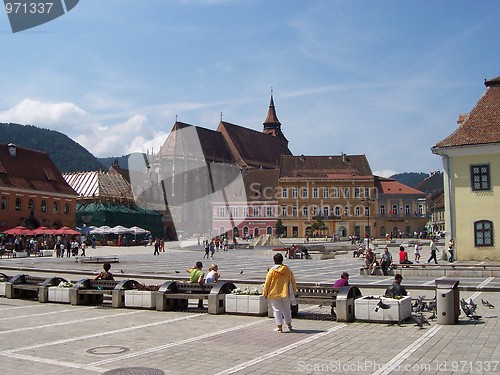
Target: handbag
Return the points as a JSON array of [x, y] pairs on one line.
[[293, 301]]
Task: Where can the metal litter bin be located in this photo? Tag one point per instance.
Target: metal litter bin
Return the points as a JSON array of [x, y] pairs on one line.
[[448, 301], [344, 304]]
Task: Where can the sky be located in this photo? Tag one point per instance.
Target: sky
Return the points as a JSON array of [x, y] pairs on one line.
[[384, 78]]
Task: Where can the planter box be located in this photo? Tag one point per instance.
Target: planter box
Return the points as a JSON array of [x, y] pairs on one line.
[[20, 254], [58, 294], [365, 308], [143, 299], [246, 304], [2, 288]]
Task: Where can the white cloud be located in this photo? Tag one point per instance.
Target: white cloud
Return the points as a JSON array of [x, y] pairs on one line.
[[33, 112], [385, 173]]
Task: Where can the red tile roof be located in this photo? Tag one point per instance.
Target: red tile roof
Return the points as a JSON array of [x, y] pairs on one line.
[[31, 170], [391, 186], [325, 167], [483, 124]]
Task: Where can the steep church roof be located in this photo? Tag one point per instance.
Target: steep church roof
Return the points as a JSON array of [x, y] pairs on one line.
[[230, 143], [251, 148]]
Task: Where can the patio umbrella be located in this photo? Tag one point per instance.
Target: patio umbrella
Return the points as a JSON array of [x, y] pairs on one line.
[[138, 230], [101, 230], [66, 231], [43, 230], [119, 230], [20, 231]]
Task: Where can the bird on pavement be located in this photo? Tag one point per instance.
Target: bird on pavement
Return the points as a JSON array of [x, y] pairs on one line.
[[381, 305], [417, 320], [487, 304], [121, 270], [241, 272], [176, 271]]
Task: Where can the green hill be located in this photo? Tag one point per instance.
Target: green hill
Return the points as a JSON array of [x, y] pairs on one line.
[[411, 179], [67, 155]]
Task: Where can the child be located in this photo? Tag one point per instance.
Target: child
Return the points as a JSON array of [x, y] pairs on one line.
[[213, 274]]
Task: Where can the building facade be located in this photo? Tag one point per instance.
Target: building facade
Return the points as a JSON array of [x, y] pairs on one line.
[[400, 209], [33, 192], [471, 161], [326, 196], [251, 214]]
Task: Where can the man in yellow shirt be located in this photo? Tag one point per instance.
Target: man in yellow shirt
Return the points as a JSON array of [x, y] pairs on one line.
[[279, 288]]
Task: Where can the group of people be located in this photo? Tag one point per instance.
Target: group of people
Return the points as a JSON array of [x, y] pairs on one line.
[[386, 262], [215, 244]]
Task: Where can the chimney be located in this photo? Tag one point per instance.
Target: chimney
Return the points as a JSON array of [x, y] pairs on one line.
[[462, 118], [12, 149], [344, 157]]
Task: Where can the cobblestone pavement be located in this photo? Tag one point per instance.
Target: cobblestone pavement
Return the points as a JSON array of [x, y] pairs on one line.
[[62, 339]]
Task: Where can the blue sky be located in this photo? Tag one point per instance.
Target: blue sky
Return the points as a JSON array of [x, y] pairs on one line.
[[383, 78]]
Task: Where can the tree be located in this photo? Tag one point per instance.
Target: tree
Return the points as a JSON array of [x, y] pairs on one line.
[[319, 224], [280, 228]]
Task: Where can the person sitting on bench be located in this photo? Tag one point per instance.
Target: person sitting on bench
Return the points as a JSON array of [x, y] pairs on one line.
[[105, 275], [403, 256]]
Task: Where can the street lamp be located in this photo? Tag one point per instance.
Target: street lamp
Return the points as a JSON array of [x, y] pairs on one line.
[[367, 201]]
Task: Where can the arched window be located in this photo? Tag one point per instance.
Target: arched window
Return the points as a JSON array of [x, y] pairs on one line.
[[269, 231], [55, 208], [67, 209], [4, 204], [483, 233], [31, 204], [357, 211], [338, 211], [382, 231], [256, 232], [19, 204], [43, 206], [222, 230]]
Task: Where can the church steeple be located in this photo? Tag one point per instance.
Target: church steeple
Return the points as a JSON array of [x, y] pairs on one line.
[[272, 125]]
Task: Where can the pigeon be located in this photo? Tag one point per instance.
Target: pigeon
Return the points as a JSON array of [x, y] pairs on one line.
[[472, 304], [121, 270], [241, 272], [176, 271], [381, 305], [418, 321], [432, 305], [487, 304], [469, 310], [433, 316]]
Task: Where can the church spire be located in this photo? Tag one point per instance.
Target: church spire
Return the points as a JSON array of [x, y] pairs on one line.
[[272, 125]]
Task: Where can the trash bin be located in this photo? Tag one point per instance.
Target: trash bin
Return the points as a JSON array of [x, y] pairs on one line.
[[344, 304], [448, 301]]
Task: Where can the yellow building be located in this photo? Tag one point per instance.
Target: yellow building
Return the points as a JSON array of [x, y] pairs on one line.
[[336, 189], [471, 160]]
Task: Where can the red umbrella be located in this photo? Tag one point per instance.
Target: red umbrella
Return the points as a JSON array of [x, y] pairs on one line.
[[66, 231], [43, 230], [20, 231]]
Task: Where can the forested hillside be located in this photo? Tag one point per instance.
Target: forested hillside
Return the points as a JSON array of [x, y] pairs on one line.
[[410, 178], [67, 155]]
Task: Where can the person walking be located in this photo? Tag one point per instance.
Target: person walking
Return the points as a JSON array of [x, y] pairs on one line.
[[280, 289], [433, 251]]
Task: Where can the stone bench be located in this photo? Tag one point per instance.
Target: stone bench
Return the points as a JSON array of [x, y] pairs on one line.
[[175, 295], [98, 259], [92, 292], [30, 287]]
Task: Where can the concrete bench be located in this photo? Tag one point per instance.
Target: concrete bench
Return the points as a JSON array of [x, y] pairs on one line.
[[175, 295], [91, 292], [30, 287], [363, 271], [98, 259]]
